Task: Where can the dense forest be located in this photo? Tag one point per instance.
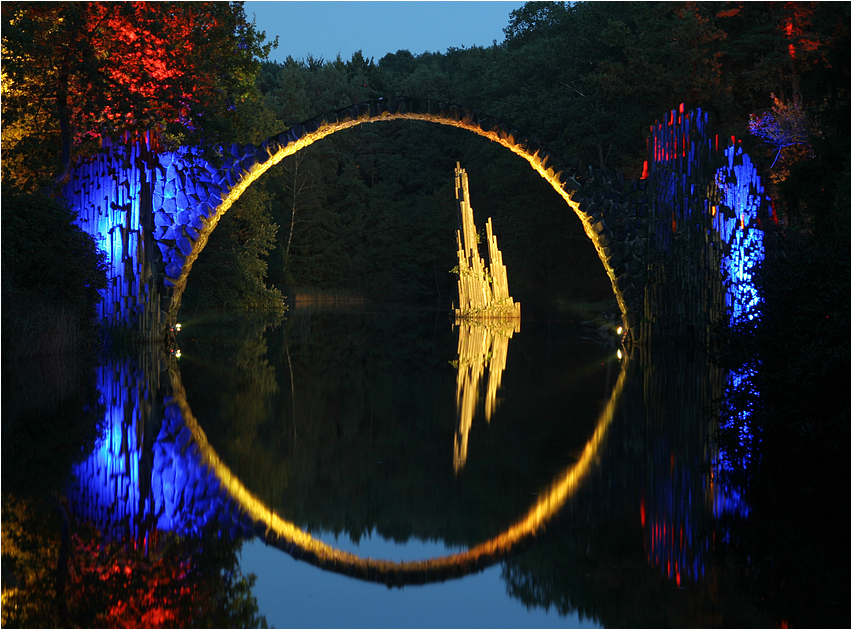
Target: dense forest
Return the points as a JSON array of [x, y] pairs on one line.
[[369, 212]]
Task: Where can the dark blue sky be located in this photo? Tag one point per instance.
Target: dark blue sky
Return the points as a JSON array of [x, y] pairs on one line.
[[324, 29]]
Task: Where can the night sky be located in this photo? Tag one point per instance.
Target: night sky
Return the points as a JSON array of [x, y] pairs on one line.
[[326, 29]]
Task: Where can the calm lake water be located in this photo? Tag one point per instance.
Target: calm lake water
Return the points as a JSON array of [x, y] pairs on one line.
[[399, 436]]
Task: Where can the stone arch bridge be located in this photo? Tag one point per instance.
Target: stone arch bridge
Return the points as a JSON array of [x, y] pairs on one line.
[[153, 212]]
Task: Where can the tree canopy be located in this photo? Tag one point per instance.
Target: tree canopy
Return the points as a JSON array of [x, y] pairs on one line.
[[74, 72]]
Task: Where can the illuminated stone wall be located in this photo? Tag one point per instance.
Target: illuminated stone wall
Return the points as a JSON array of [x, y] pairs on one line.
[[111, 194], [151, 212], [706, 221]]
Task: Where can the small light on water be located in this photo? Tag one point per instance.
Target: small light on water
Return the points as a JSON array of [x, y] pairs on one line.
[[177, 327], [618, 354], [177, 353], [619, 330]]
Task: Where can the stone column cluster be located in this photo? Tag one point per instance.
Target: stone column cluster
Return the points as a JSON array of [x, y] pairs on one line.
[[706, 203], [111, 194], [483, 289]]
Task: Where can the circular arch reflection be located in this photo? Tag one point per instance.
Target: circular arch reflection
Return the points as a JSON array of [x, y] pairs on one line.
[[285, 535]]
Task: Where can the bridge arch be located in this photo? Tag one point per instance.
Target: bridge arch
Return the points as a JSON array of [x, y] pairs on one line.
[[191, 196]]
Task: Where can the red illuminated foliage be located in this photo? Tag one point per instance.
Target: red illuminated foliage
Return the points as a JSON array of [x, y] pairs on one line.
[[167, 582], [159, 581], [73, 71]]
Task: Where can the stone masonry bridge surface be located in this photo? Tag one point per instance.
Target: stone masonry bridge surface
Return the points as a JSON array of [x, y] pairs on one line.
[[152, 212]]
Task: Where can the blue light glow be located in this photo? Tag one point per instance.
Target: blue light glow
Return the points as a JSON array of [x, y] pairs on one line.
[[108, 193], [125, 497], [742, 193], [738, 221]]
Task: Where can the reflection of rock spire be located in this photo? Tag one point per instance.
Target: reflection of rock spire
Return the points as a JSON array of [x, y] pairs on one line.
[[482, 346]]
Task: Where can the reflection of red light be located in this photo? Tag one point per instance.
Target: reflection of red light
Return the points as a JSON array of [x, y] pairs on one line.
[[642, 511], [790, 47]]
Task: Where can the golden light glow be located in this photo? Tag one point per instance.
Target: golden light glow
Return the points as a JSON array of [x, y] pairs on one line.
[[297, 542], [483, 346]]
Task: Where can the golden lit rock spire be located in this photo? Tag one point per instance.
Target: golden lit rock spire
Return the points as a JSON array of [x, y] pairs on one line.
[[487, 317], [483, 289]]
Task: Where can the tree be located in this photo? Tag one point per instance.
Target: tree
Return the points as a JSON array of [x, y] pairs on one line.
[[535, 18], [74, 72], [231, 273], [52, 275], [784, 126], [165, 582]]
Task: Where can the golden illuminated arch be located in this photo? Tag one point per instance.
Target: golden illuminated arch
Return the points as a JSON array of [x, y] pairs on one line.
[[298, 543], [300, 136]]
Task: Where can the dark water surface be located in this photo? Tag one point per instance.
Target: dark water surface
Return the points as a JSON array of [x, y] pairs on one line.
[[396, 436]]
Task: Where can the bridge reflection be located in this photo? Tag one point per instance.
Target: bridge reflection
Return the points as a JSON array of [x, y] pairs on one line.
[[154, 470], [137, 482]]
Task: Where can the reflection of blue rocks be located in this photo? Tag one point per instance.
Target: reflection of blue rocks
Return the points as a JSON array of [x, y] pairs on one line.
[[109, 486], [181, 486], [189, 498], [121, 495]]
